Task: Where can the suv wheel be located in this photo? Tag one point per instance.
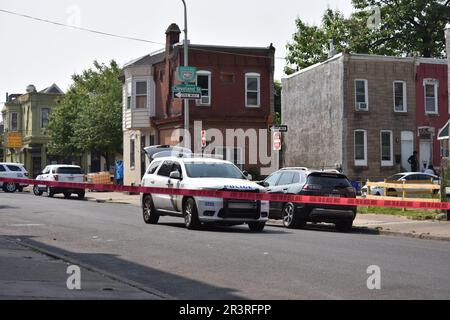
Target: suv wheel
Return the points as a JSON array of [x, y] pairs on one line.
[[344, 226], [36, 191], [67, 195], [9, 187], [191, 215], [290, 219], [148, 210], [256, 226], [81, 195]]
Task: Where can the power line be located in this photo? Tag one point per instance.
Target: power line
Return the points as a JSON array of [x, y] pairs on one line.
[[78, 28]]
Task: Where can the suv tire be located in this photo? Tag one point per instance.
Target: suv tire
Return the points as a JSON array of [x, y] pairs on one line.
[[9, 187], [148, 210], [344, 226], [67, 195], [256, 226], [290, 218], [81, 195], [37, 192], [190, 214]]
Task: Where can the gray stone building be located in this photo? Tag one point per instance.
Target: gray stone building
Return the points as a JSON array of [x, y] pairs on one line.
[[355, 112]]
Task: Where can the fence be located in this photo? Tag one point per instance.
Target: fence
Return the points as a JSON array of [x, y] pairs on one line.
[[429, 191]]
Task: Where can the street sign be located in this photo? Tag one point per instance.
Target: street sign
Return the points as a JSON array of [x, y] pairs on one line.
[[282, 128], [277, 141], [187, 74], [14, 140], [189, 96], [203, 138], [187, 91]]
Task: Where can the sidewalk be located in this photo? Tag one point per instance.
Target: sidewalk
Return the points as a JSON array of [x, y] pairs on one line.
[[30, 274], [379, 223]]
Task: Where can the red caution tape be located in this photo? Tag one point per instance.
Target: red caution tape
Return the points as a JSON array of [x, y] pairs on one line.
[[241, 195]]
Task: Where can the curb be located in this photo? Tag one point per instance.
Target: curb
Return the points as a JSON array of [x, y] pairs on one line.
[[158, 294], [423, 236]]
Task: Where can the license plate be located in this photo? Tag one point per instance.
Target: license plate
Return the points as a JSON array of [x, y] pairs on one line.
[[71, 178], [334, 195]]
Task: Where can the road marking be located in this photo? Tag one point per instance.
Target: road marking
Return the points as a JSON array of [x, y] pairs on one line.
[[26, 225]]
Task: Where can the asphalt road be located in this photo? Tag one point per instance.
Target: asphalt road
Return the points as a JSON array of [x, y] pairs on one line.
[[227, 263]]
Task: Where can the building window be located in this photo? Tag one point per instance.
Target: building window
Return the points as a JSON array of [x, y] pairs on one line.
[[361, 95], [128, 93], [204, 82], [252, 90], [45, 116], [132, 153], [400, 104], [141, 94], [227, 78], [431, 96], [360, 148], [387, 151], [14, 123]]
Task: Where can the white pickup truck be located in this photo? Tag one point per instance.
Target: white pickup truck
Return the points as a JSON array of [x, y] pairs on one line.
[[195, 173]]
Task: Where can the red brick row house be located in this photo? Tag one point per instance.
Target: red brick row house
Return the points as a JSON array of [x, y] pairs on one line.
[[237, 94]]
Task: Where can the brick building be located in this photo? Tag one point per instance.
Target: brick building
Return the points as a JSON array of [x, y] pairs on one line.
[[237, 93], [432, 108], [356, 112]]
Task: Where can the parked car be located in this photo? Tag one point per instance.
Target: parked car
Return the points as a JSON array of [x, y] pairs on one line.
[[301, 181], [186, 171], [408, 177], [13, 171], [60, 173]]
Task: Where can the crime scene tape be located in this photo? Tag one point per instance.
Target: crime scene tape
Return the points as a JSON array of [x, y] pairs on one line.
[[245, 195]]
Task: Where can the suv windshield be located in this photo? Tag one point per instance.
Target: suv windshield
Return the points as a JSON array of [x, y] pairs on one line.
[[326, 180], [213, 170], [68, 170]]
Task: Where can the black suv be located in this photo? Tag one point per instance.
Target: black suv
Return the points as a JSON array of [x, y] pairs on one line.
[[302, 181]]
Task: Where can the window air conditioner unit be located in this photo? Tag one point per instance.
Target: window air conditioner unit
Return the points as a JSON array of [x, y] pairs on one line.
[[362, 106]]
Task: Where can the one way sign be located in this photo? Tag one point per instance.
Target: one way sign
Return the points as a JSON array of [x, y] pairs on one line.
[[190, 96]]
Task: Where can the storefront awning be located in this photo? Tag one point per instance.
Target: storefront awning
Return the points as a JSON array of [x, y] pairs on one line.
[[443, 133]]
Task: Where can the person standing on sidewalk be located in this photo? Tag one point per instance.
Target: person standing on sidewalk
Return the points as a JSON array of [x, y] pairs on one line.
[[414, 162]]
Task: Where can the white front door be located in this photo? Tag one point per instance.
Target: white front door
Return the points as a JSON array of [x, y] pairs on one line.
[[425, 154], [407, 149]]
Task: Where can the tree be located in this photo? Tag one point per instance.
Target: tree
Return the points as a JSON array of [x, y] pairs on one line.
[[408, 27], [277, 102], [89, 118]]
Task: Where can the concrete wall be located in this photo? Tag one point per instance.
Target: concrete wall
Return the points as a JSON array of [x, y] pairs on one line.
[[312, 107]]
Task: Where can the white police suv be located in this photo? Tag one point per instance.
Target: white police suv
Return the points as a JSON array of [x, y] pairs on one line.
[[186, 171]]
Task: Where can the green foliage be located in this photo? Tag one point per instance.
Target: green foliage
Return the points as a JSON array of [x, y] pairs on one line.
[[408, 27], [89, 118]]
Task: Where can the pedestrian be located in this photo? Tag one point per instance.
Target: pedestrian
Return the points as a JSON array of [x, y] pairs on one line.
[[414, 162], [431, 170]]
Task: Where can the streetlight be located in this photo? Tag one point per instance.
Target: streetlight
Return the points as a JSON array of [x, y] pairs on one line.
[[186, 138]]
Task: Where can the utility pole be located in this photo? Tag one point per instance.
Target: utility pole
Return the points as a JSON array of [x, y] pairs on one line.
[[186, 138]]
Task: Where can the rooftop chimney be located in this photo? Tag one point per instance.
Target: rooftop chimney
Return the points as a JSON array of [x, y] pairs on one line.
[[172, 36]]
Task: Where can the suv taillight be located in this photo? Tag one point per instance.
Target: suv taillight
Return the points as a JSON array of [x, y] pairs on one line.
[[56, 177], [310, 187]]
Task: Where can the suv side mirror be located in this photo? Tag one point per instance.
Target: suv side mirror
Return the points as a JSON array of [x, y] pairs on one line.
[[264, 184], [247, 175], [175, 175]]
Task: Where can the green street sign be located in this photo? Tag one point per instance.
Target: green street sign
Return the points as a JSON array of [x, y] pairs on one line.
[[187, 74], [187, 91]]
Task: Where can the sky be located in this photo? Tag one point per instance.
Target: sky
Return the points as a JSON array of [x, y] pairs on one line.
[[38, 53]]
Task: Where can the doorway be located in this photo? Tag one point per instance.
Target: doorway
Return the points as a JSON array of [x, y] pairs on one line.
[[407, 145]]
